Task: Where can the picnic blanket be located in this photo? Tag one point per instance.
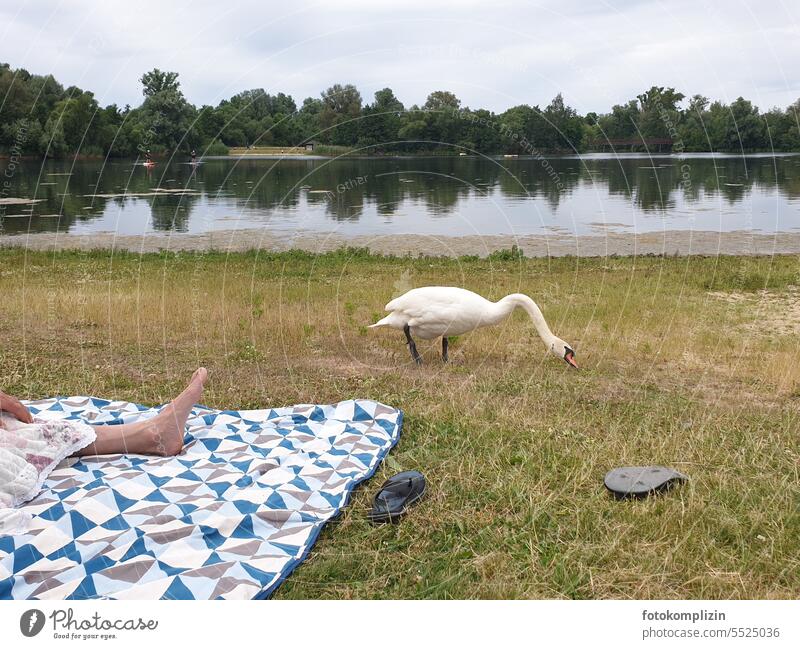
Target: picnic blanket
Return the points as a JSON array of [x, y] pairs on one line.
[[230, 517]]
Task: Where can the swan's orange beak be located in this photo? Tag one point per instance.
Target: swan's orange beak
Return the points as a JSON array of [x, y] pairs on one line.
[[570, 358]]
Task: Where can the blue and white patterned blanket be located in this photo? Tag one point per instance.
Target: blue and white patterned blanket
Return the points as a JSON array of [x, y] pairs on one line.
[[230, 517]]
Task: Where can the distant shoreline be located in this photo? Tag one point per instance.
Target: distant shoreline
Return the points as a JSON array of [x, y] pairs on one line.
[[497, 156], [4, 155], [670, 242]]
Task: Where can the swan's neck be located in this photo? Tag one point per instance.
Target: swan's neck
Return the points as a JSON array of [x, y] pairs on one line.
[[511, 302]]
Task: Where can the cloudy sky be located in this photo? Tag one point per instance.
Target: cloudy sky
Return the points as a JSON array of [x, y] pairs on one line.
[[491, 54]]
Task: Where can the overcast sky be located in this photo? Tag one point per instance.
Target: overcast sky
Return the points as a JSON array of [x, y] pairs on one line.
[[491, 54]]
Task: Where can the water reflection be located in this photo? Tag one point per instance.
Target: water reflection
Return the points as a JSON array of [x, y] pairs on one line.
[[451, 195]]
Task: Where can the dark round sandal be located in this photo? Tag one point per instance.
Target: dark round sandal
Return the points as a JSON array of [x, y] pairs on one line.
[[396, 496], [641, 481]]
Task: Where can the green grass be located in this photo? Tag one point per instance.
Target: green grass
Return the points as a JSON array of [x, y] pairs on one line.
[[513, 443]]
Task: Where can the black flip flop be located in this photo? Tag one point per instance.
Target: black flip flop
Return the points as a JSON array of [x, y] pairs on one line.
[[641, 481], [396, 495]]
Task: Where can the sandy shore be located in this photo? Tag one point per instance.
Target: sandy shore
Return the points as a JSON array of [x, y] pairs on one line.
[[672, 242]]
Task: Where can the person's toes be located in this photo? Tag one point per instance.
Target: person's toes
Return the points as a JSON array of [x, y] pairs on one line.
[[200, 374]]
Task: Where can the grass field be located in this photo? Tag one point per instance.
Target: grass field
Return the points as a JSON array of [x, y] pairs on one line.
[[689, 362]]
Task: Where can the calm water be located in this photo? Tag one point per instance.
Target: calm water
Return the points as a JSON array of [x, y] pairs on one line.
[[439, 196]]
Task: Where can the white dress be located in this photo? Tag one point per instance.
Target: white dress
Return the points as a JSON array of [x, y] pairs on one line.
[[28, 453]]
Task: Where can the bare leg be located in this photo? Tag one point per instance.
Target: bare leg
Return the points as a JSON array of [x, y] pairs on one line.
[[411, 346], [445, 358], [161, 435]]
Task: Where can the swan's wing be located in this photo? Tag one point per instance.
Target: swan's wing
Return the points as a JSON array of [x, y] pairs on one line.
[[431, 297], [441, 315], [416, 297]]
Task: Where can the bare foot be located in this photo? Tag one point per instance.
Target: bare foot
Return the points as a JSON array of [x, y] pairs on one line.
[[165, 431], [160, 435]]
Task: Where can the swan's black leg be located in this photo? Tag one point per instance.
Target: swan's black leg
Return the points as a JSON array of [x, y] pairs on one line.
[[444, 349], [411, 346]]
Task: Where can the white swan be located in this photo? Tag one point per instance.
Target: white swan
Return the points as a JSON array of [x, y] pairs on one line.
[[434, 311]]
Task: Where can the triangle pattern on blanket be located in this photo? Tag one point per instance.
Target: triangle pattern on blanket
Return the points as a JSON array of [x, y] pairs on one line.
[[229, 518]]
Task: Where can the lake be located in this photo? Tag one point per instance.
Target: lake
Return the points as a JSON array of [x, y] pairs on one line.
[[438, 196]]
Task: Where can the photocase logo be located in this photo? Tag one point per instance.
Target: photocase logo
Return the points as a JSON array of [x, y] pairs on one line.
[[31, 622]]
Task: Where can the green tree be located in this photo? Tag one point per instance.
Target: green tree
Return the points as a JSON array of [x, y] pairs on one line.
[[165, 117], [444, 122], [481, 132], [442, 100], [692, 129], [659, 115], [777, 125], [792, 137], [156, 81], [565, 126], [381, 122], [338, 119], [307, 119], [16, 95], [621, 122], [746, 128], [52, 142], [517, 125], [717, 126], [413, 129]]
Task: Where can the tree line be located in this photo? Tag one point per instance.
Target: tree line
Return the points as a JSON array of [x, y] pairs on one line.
[[38, 116]]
